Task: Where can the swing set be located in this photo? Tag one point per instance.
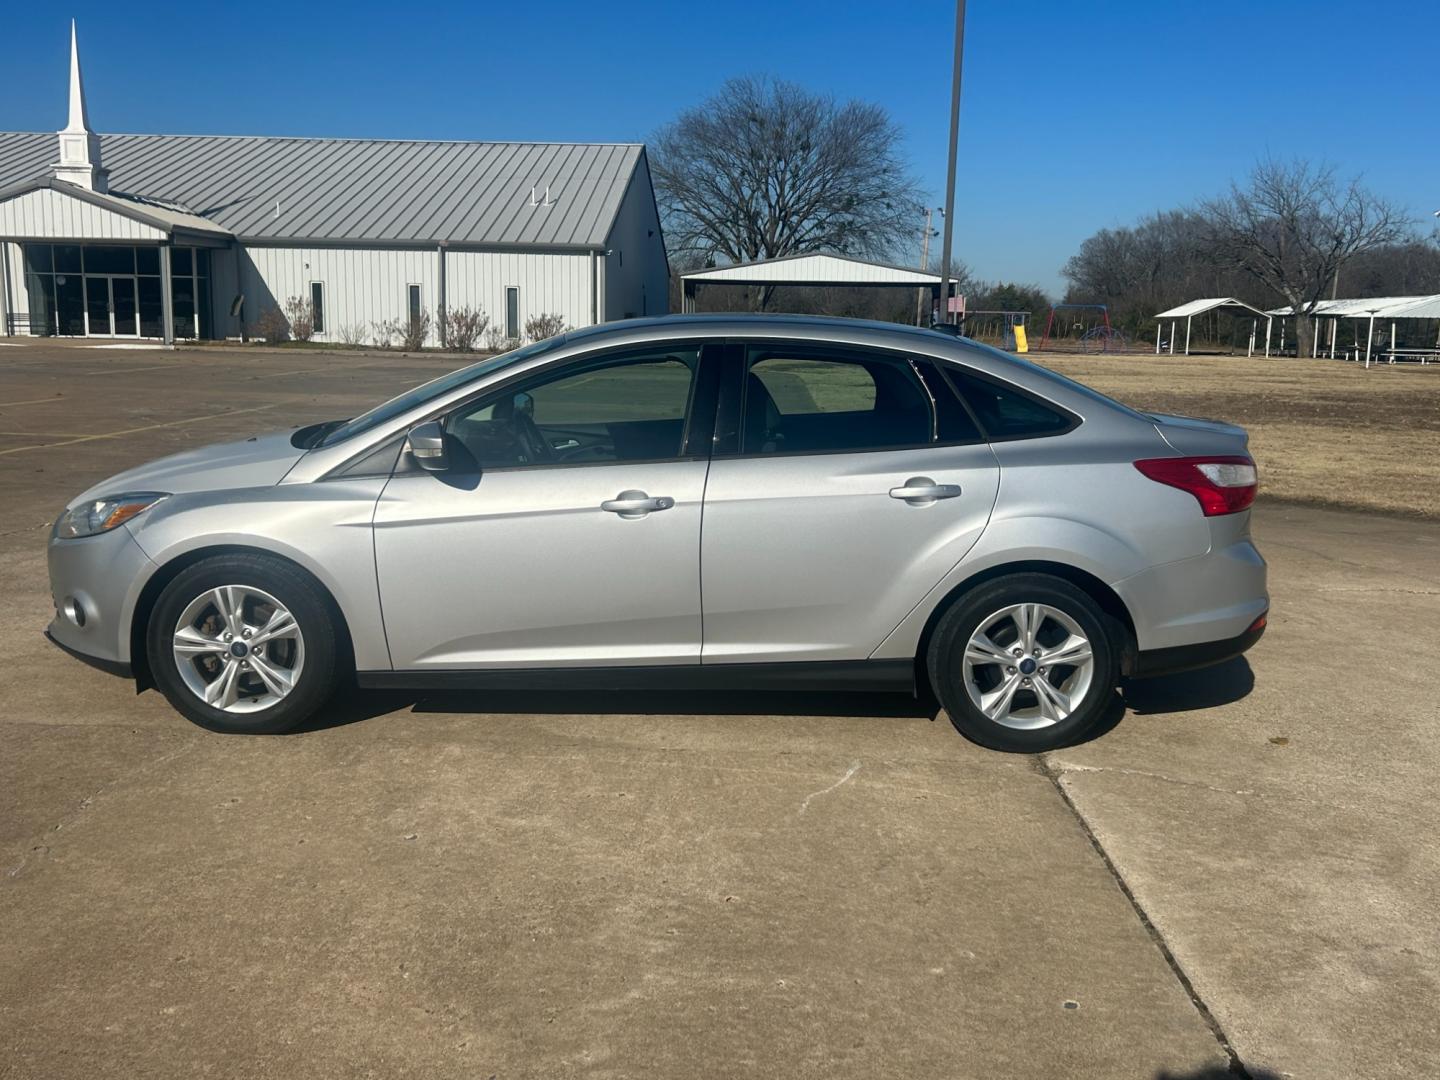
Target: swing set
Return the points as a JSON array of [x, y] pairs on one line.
[[1085, 327]]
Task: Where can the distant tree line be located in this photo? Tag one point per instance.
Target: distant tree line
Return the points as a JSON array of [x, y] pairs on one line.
[[1291, 235]]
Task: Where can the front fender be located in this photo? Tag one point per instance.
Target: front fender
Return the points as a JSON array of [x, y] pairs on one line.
[[326, 528]]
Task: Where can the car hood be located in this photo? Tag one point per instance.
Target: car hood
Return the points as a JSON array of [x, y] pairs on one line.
[[259, 461], [1192, 436]]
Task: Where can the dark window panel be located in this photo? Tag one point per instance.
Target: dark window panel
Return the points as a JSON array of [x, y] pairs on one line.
[[147, 260]]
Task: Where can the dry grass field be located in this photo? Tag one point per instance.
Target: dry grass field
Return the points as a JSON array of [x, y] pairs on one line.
[[1324, 432]]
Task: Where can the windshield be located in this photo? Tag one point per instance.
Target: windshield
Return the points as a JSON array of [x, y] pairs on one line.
[[397, 406]]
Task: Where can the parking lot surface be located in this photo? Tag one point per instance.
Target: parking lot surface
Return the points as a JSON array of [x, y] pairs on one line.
[[1241, 874]]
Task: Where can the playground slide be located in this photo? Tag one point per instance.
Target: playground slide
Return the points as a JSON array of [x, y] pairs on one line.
[[1021, 345]]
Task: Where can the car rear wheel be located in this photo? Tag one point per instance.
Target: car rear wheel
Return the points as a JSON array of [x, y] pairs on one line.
[[1025, 663], [243, 644]]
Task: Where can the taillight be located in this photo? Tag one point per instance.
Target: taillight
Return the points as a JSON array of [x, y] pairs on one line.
[[1222, 485]]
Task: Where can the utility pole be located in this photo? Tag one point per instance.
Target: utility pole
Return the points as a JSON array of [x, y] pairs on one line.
[[954, 146], [925, 262]]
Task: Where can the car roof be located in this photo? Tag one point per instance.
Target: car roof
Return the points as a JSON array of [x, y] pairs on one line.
[[747, 324]]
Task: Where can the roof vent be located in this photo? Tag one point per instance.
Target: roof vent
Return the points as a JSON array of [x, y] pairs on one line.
[[545, 202]]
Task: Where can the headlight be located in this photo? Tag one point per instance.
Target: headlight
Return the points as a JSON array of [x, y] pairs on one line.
[[103, 514]]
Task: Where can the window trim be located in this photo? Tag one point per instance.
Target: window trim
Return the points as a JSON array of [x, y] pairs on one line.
[[733, 395], [1005, 384], [414, 301], [317, 324]]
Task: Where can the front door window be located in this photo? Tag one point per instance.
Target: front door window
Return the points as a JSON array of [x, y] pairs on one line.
[[625, 408]]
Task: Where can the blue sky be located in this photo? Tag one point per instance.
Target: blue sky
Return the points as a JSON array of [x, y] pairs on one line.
[[1070, 121]]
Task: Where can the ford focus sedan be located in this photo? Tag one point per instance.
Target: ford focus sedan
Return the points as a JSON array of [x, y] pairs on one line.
[[702, 501]]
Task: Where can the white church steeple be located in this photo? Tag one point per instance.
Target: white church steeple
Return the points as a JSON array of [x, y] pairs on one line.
[[79, 162]]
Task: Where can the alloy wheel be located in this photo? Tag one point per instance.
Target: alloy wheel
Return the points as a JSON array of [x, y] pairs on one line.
[[238, 649], [1028, 666]]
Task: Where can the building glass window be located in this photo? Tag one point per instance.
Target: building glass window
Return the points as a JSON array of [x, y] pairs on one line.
[[512, 313], [67, 258], [152, 320], [317, 305], [414, 303], [107, 259]]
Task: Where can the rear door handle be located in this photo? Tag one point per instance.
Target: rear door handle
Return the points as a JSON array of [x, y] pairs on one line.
[[636, 504], [922, 491]]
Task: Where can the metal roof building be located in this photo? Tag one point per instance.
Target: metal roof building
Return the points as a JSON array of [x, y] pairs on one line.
[[196, 236]]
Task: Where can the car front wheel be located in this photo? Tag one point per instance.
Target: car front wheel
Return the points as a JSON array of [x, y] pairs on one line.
[[1025, 663], [243, 644]]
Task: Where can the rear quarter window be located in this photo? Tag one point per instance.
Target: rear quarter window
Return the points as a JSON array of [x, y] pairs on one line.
[[1005, 412]]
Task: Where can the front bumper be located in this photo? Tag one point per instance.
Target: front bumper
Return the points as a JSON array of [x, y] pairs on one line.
[[94, 583]]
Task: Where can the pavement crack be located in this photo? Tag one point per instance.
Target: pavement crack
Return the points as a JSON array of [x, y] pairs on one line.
[[1054, 775], [854, 768]]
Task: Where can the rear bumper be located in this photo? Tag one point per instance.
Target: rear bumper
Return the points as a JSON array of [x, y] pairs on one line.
[[1152, 662]]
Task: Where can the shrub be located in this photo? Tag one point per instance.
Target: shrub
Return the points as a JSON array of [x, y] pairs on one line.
[[542, 326], [301, 317], [415, 331], [496, 341], [385, 333], [464, 327], [353, 334], [271, 327]]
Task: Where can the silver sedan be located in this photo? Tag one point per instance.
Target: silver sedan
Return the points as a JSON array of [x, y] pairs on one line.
[[706, 502]]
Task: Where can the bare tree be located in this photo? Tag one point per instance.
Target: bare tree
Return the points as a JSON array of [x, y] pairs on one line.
[[1293, 227], [766, 169]]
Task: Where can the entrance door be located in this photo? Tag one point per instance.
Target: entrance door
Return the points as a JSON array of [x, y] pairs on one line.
[[97, 306], [122, 306], [110, 308], [566, 531]]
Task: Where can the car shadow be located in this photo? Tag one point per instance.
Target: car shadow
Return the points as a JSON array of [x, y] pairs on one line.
[[357, 705], [1185, 692], [1219, 1072]]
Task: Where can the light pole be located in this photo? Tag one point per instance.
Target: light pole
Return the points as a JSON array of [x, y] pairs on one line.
[[930, 212], [954, 145]]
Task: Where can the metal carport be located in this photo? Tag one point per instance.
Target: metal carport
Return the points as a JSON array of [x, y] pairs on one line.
[[1204, 307], [812, 269]]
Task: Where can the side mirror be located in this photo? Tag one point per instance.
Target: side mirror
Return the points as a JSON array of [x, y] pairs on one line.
[[427, 446], [524, 405]]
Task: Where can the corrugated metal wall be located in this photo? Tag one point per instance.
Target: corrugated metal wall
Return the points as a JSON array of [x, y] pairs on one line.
[[548, 283], [364, 286], [49, 213], [636, 282]]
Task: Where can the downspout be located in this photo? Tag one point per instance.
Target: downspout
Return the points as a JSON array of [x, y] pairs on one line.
[[440, 250], [594, 287], [5, 308]]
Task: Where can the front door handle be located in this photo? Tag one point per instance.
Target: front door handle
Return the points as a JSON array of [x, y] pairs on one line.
[[636, 504], [922, 491]]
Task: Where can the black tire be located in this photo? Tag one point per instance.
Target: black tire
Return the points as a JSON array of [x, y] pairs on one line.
[[293, 588], [944, 661]]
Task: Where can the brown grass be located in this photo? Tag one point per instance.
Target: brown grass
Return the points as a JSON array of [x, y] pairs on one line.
[[1322, 431]]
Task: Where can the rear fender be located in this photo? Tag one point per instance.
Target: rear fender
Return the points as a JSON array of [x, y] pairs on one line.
[[1077, 544]]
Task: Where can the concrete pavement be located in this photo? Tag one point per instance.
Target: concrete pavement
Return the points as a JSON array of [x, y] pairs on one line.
[[1239, 875]]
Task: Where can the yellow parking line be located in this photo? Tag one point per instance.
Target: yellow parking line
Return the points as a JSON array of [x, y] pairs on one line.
[[133, 431]]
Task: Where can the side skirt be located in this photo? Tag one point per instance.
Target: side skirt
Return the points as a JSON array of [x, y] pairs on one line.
[[882, 675]]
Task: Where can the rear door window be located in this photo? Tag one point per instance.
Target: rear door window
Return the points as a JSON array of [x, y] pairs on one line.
[[800, 400]]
